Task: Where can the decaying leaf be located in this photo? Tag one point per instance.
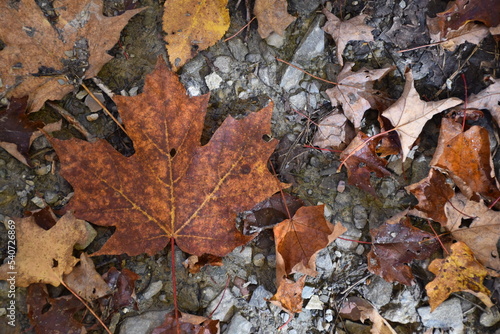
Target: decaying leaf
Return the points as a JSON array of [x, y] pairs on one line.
[[395, 244], [272, 16], [192, 26], [334, 131], [471, 32], [45, 256], [432, 193], [362, 162], [41, 59], [409, 113], [188, 324], [466, 158], [342, 32], [122, 283], [488, 98], [194, 263], [298, 240], [53, 315], [483, 229], [85, 281], [359, 309], [458, 272], [355, 92], [289, 295], [172, 187]]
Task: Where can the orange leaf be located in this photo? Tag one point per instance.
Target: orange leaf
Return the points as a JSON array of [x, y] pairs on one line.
[[458, 272], [272, 16], [172, 187], [289, 295]]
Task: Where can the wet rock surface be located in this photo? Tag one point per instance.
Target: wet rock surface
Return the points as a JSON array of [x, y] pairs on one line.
[[242, 75]]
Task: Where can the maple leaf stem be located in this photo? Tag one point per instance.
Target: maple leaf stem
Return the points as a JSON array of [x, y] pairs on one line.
[[242, 28], [174, 285], [437, 237], [357, 241]]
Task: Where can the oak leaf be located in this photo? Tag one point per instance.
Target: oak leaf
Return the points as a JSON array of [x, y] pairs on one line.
[[41, 59], [355, 92], [45, 256], [359, 309], [172, 187], [334, 131], [85, 281], [192, 26], [299, 239], [395, 244], [344, 31], [289, 295], [482, 233], [488, 98], [409, 113], [460, 271], [466, 158], [272, 16]]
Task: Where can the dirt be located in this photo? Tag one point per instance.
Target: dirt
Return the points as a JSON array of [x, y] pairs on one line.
[[254, 78]]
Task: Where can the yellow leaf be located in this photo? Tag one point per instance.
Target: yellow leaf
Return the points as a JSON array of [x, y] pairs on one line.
[[458, 272], [193, 25]]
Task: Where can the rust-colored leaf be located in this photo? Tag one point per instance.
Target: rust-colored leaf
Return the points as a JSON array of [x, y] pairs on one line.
[[188, 324], [45, 256], [42, 58], [465, 156], [272, 16], [191, 26], [396, 243], [172, 187], [122, 283], [458, 272], [85, 281], [194, 263], [298, 240], [289, 295]]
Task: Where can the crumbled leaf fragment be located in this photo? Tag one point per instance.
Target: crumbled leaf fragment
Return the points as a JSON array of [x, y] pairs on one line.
[[289, 295], [359, 309]]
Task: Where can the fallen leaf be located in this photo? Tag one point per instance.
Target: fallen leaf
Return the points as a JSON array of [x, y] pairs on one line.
[[482, 233], [466, 158], [409, 113], [359, 309], [488, 98], [362, 162], [342, 32], [188, 324], [395, 244], [460, 271], [334, 131], [53, 315], [191, 26], [194, 263], [45, 256], [289, 295], [298, 240], [471, 32], [122, 283], [85, 281], [172, 187], [43, 59], [272, 16], [355, 92], [432, 193]]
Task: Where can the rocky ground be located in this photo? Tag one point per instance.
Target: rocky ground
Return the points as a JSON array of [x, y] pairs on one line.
[[243, 74]]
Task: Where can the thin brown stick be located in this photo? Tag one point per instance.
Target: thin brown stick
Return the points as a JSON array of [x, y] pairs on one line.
[[72, 120], [303, 71], [238, 32], [420, 47], [174, 286]]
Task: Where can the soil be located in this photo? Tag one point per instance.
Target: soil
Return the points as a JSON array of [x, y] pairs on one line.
[[251, 76]]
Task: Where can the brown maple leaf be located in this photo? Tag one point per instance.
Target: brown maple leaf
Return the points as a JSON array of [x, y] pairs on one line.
[[172, 187], [342, 32], [356, 309], [466, 158], [298, 241], [272, 16], [458, 272], [41, 59], [409, 113], [355, 93], [44, 256], [289, 295], [85, 281], [396, 243], [482, 233], [191, 26]]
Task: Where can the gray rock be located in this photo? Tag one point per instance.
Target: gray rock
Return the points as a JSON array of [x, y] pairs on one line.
[[213, 81], [447, 315], [242, 254], [223, 63], [387, 188], [259, 297], [268, 74], [490, 317], [324, 261], [360, 216], [403, 307], [253, 58], [143, 323], [379, 292], [314, 303], [299, 100], [222, 306], [259, 260], [239, 325], [275, 40], [307, 292], [152, 290], [237, 48]]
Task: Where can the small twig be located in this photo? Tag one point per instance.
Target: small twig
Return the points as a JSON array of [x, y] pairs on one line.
[[437, 237], [420, 47], [72, 120], [237, 33], [303, 71]]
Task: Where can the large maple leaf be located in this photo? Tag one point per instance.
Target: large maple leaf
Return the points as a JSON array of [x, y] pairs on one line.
[[172, 187], [38, 56]]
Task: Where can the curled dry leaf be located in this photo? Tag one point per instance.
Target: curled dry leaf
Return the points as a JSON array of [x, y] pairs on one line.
[[191, 26], [45, 256], [194, 263], [342, 32], [409, 113], [395, 244], [150, 195], [466, 158], [272, 16], [334, 131], [355, 92], [289, 295], [40, 56], [471, 32], [359, 309], [460, 271], [85, 281]]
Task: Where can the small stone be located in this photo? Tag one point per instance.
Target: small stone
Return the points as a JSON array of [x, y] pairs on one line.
[[259, 260], [38, 202], [379, 292], [152, 290], [222, 306], [50, 197], [275, 40], [238, 48], [253, 57], [239, 325], [329, 315], [213, 81], [259, 297], [81, 94], [314, 303], [244, 254], [324, 261], [448, 314], [91, 234], [307, 292], [490, 317], [223, 63], [92, 117], [43, 170], [144, 323], [92, 104], [271, 260]]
